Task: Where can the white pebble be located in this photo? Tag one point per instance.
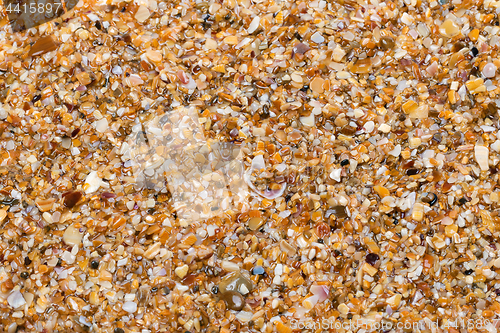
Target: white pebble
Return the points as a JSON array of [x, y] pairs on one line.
[[338, 53], [93, 17], [12, 328], [211, 230], [142, 14], [407, 19], [317, 38], [229, 266], [258, 163], [92, 182], [384, 128], [343, 75], [117, 70], [396, 151], [3, 114], [243, 290], [335, 174], [307, 121], [254, 25], [496, 146], [101, 125], [244, 316], [481, 154], [72, 236], [130, 307], [16, 299], [489, 70], [369, 126]]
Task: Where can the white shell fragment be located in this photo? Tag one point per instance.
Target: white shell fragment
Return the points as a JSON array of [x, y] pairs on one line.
[[101, 125], [16, 299], [489, 70], [317, 38], [92, 182], [481, 154], [254, 25], [258, 163], [307, 121], [335, 174], [130, 307], [142, 14], [496, 146], [72, 236]]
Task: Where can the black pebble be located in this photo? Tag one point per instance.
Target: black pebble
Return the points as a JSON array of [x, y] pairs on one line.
[[433, 200], [27, 261], [474, 51], [344, 162], [372, 258], [94, 264], [119, 330], [412, 172], [215, 289], [25, 275], [468, 272]]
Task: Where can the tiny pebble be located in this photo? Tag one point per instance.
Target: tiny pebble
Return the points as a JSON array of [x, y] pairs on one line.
[[16, 299], [72, 236], [182, 271], [258, 270], [317, 38], [372, 258], [233, 299], [130, 307], [489, 70]]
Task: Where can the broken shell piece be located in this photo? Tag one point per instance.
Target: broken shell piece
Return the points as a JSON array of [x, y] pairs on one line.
[[418, 212], [481, 154], [449, 29], [16, 299], [308, 121], [182, 271], [72, 236], [92, 182]]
